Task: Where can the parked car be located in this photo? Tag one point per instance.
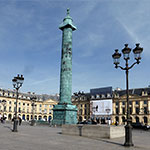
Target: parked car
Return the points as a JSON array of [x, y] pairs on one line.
[[140, 126]]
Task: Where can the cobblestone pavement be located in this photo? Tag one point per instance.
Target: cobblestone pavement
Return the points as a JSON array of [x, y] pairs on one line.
[[50, 138]]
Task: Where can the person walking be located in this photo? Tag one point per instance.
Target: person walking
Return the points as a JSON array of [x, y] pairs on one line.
[[20, 120], [1, 117]]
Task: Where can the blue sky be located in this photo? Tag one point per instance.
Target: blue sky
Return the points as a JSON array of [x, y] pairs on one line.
[[30, 42]]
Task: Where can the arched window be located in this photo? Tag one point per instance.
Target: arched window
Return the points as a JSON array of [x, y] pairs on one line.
[[27, 117], [40, 118], [145, 119], [35, 117], [9, 116], [23, 117], [117, 118], [45, 117]]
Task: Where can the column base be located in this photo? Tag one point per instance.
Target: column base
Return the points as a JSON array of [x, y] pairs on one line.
[[64, 114]]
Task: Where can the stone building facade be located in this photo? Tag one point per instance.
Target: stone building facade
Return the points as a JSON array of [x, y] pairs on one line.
[[139, 105], [82, 101], [43, 105]]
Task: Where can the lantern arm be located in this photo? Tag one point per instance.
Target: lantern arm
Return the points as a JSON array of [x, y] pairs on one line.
[[132, 65], [121, 67]]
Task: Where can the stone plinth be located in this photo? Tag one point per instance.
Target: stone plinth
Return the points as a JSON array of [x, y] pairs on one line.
[[64, 114], [94, 131]]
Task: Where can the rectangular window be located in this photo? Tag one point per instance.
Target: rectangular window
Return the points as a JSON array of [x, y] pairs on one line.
[[137, 102], [123, 103], [117, 111], [9, 109], [50, 111], [116, 103], [85, 111], [40, 105], [137, 110], [123, 110], [130, 102], [145, 110], [145, 101], [19, 110], [4, 108], [130, 110]]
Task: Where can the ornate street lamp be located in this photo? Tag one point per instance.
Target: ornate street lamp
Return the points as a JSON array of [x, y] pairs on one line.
[[33, 100], [17, 83], [116, 56]]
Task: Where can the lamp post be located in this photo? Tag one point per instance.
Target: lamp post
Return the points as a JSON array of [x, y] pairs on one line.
[[17, 83], [33, 99], [116, 56]]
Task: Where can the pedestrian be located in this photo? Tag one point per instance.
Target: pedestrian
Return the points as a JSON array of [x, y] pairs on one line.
[[116, 123], [20, 120], [109, 122], [4, 118], [0, 116]]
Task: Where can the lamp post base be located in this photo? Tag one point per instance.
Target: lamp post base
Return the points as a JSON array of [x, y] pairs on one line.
[[15, 126], [128, 135]]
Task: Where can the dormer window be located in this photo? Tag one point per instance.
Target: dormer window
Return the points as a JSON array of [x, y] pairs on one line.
[[108, 95], [144, 93], [92, 96], [103, 96], [97, 96]]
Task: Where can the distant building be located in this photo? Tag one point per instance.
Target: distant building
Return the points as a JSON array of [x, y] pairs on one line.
[[82, 101], [139, 103], [43, 105], [104, 104], [101, 104], [96, 105]]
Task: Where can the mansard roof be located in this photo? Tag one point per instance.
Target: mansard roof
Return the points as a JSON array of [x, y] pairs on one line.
[[136, 91]]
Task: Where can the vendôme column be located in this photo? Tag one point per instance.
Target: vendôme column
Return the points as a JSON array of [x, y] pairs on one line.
[[65, 112]]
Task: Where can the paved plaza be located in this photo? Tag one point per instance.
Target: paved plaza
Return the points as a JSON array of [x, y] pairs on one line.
[[50, 138]]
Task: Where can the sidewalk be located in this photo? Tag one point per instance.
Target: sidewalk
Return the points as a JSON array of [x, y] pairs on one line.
[[50, 138]]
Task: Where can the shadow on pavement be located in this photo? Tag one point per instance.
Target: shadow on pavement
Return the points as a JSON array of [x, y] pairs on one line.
[[111, 142], [8, 127]]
